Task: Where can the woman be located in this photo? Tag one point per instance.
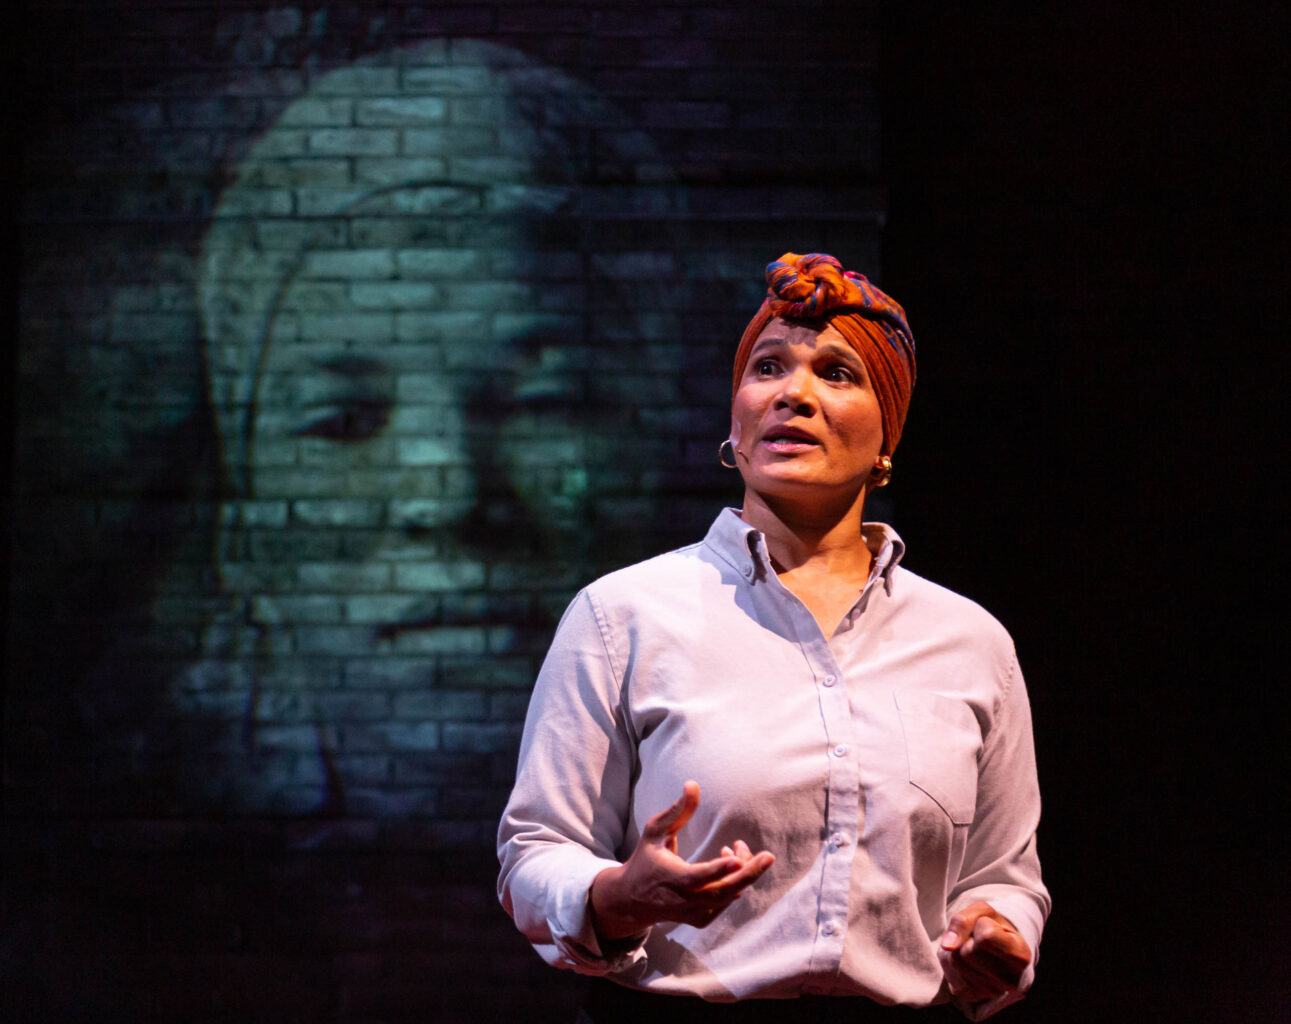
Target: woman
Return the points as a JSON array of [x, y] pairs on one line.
[[411, 449], [861, 737]]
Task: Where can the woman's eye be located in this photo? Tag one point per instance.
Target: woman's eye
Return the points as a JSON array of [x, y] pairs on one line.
[[839, 374], [766, 367], [351, 421]]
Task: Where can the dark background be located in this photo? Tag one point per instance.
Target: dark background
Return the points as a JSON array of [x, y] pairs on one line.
[[1091, 195], [1084, 222]]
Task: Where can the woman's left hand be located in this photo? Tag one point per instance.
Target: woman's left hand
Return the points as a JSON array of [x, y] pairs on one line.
[[982, 954]]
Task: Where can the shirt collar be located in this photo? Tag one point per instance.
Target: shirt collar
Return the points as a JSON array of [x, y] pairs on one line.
[[745, 548]]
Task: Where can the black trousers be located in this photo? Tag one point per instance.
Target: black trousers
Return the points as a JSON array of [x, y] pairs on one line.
[[608, 1003]]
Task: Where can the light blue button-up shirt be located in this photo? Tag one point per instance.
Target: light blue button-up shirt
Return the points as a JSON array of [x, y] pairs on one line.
[[889, 767]]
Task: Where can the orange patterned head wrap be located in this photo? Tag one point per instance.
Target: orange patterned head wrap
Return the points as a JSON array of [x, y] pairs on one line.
[[816, 287]]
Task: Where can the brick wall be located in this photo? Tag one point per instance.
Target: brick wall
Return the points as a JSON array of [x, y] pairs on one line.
[[352, 341]]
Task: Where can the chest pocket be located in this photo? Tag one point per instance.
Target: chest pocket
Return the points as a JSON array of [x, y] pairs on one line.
[[942, 741]]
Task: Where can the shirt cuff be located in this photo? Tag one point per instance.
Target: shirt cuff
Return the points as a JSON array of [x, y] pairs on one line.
[[575, 936]]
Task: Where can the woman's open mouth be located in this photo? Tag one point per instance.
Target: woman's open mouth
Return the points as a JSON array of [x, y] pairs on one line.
[[789, 440]]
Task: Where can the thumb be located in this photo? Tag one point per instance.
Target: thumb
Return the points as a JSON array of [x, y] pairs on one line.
[[959, 928], [669, 822]]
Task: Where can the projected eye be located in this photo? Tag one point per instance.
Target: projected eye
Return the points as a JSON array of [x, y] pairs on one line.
[[547, 393], [347, 421]]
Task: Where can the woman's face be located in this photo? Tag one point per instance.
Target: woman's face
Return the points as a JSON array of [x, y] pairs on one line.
[[424, 454], [424, 408], [421, 469], [806, 423]]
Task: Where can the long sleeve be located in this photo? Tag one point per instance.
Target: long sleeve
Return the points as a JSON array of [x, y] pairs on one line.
[[1001, 865], [565, 820]]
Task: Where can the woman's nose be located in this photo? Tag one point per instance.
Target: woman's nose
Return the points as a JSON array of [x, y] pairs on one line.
[[797, 391]]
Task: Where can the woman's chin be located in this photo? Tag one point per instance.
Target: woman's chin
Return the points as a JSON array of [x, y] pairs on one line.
[[805, 486]]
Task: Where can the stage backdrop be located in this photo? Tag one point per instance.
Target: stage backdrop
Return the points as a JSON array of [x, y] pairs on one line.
[[352, 341]]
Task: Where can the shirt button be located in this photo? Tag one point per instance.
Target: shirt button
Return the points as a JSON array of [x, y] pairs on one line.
[[837, 840], [748, 571], [840, 751], [829, 680], [829, 928]]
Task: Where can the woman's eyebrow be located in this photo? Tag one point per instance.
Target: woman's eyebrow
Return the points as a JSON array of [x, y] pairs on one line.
[[766, 343], [845, 352]]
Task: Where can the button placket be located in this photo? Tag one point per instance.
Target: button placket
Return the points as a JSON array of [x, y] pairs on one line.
[[842, 785], [843, 806]]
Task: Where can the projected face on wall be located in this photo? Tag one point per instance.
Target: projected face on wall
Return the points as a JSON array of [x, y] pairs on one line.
[[430, 354]]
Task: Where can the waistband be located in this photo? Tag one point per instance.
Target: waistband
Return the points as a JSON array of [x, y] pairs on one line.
[[608, 1003]]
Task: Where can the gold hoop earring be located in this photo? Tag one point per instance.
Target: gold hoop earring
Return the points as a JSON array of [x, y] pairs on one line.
[[882, 467], [721, 455]]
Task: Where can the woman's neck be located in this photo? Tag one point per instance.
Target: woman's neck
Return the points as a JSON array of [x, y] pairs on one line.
[[809, 540], [819, 555]]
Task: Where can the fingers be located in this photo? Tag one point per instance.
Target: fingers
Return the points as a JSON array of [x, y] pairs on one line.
[[708, 887], [982, 954], [706, 874], [714, 884], [657, 884], [706, 901], [729, 871], [996, 946], [733, 882], [973, 975], [979, 921]]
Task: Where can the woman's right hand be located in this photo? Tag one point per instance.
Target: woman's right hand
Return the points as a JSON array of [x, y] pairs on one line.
[[655, 884]]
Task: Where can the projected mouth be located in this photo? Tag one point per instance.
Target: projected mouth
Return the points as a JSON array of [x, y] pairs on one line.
[[464, 631]]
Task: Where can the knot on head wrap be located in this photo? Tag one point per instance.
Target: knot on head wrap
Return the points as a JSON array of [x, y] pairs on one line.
[[805, 287], [816, 287]]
